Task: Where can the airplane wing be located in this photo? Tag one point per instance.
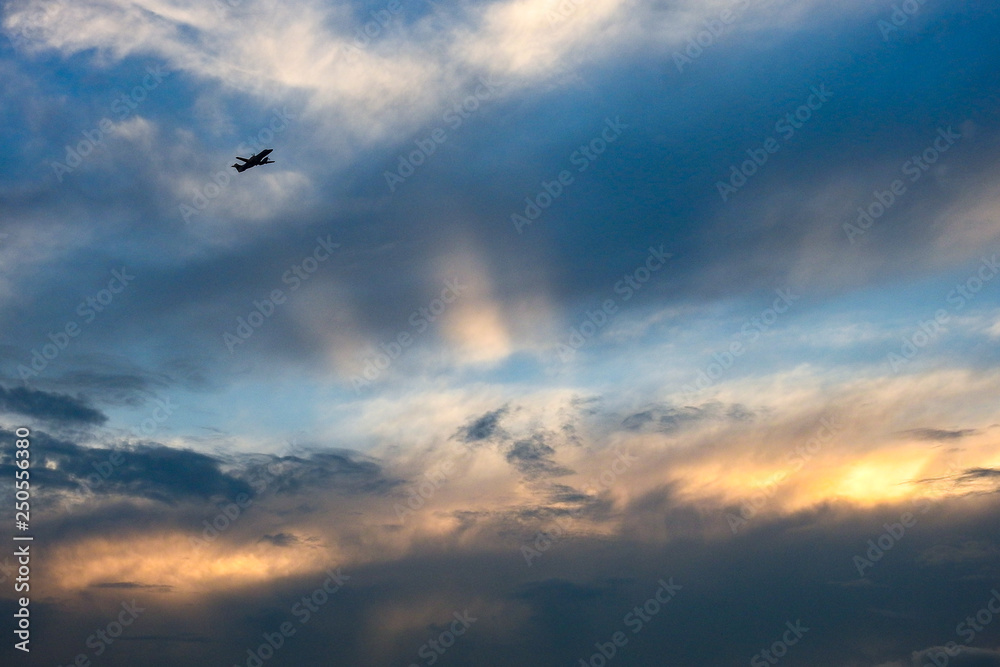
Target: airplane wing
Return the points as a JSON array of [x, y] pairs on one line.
[[254, 160]]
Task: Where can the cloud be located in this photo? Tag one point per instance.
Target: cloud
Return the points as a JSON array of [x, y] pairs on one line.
[[963, 552], [130, 586], [963, 656], [309, 47], [538, 282], [181, 637], [486, 427], [49, 406], [321, 507], [338, 470], [940, 434], [149, 471], [583, 586], [628, 486], [668, 419], [979, 473], [280, 539], [534, 459]]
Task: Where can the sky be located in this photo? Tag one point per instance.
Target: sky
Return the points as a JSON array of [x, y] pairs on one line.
[[576, 332]]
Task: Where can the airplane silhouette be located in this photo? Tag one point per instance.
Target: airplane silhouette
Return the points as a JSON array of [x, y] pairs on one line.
[[254, 160]]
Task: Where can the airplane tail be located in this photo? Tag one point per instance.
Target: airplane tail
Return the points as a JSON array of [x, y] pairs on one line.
[[239, 168]]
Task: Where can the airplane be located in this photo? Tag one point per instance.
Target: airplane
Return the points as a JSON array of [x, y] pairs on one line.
[[254, 160]]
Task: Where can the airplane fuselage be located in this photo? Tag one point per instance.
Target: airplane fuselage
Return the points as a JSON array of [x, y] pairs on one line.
[[254, 160]]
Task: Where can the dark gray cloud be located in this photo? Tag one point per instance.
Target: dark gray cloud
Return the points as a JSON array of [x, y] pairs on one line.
[[980, 473], [562, 493], [131, 586], [940, 434], [281, 539], [49, 406], [534, 458], [967, 477], [170, 475], [671, 419], [580, 591], [964, 552], [577, 593], [148, 471], [164, 473], [336, 469], [483, 428], [190, 637]]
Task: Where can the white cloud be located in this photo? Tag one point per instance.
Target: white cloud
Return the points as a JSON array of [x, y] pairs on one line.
[[394, 83]]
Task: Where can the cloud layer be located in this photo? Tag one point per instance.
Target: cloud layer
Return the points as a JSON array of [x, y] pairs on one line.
[[546, 313]]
